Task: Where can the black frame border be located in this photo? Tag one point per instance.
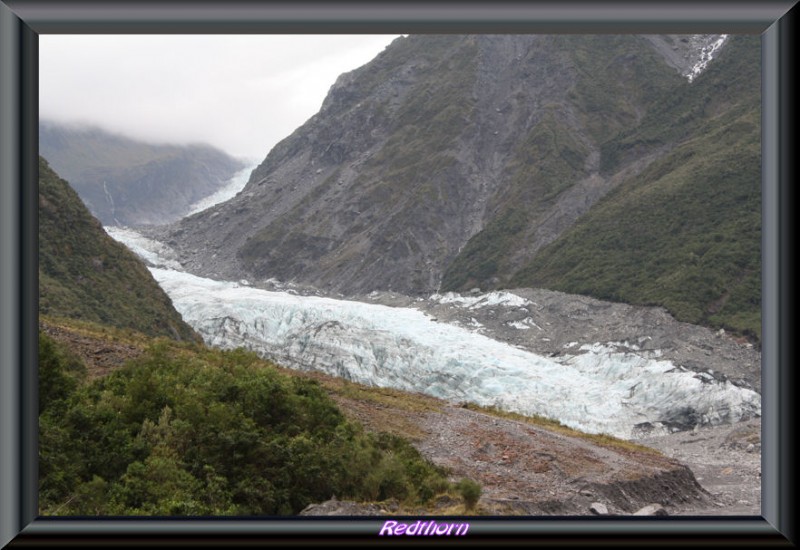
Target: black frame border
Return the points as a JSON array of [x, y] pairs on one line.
[[21, 21]]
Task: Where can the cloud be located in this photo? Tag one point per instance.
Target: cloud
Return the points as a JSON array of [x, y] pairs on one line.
[[240, 93]]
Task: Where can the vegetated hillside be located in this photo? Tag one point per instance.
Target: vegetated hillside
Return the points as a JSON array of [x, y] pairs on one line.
[[450, 162], [128, 182], [85, 274], [184, 430], [686, 232], [178, 429], [553, 175]]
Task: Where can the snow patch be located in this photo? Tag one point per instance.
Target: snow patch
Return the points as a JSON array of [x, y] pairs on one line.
[[473, 322], [524, 324]]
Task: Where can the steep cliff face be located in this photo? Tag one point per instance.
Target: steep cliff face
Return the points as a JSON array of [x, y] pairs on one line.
[[127, 182], [450, 162]]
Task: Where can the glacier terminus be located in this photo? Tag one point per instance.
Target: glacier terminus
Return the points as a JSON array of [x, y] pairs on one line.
[[593, 386]]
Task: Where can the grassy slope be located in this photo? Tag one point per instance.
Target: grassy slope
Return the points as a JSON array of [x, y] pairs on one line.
[[85, 274], [550, 159], [686, 233]]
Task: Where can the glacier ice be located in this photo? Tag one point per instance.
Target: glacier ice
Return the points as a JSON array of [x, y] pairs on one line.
[[228, 191], [597, 387], [151, 251], [599, 390]]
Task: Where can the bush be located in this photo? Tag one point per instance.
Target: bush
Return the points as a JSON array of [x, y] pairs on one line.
[[178, 432], [470, 492]]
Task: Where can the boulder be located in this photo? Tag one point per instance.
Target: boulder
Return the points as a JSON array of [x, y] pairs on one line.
[[651, 510], [598, 509]]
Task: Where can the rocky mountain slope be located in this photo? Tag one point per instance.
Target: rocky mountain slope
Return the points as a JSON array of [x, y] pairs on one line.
[[588, 164], [84, 274], [128, 182]]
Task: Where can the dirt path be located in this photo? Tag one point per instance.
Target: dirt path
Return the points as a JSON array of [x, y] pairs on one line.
[[525, 469], [101, 354]]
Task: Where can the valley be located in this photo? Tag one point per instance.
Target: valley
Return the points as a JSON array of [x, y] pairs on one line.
[[501, 350], [530, 261]]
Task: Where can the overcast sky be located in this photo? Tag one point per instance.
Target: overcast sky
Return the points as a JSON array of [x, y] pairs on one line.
[[240, 93]]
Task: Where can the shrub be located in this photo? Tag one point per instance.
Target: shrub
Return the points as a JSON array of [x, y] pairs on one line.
[[470, 492]]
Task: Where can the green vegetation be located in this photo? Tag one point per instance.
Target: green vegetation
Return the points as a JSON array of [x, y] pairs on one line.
[[183, 430], [470, 492], [618, 77], [60, 374], [730, 86], [686, 233], [85, 274]]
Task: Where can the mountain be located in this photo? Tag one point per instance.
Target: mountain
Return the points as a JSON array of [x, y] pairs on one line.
[[606, 165], [132, 426], [686, 232], [85, 274], [129, 182]]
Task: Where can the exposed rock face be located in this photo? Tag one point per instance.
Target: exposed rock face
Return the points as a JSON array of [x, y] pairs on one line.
[[418, 151], [452, 162]]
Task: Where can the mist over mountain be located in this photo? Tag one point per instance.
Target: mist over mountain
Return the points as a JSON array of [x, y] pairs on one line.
[[621, 167], [128, 182]]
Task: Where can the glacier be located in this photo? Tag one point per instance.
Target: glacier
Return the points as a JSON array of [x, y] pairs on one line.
[[594, 388], [227, 192], [150, 251]]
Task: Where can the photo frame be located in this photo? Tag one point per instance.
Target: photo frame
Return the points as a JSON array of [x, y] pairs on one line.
[[21, 21]]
